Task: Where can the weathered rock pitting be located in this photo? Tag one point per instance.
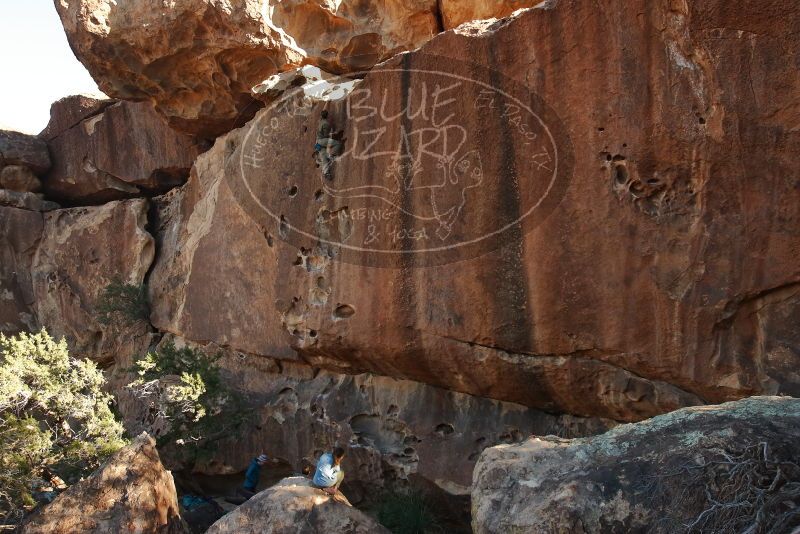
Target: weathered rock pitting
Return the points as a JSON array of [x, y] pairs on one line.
[[396, 430], [664, 276], [198, 59]]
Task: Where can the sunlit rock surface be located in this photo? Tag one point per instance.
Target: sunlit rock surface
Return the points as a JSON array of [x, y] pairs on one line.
[[82, 250], [715, 468], [659, 273], [198, 59], [294, 505], [104, 150], [130, 493]]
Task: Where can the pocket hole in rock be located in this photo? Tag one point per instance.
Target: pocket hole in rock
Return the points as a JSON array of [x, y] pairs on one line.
[[445, 429], [344, 311], [620, 174]]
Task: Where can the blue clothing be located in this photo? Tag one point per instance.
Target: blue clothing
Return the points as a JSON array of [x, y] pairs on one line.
[[251, 475], [325, 475]]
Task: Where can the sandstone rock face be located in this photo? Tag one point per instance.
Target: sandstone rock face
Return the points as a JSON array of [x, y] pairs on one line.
[[224, 49], [294, 505], [82, 250], [19, 178], [457, 12], [660, 273], [396, 430], [727, 467], [20, 232], [130, 493], [69, 111], [113, 151], [354, 35], [22, 149]]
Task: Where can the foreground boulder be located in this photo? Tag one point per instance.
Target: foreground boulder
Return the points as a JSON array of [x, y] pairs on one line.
[[130, 493], [725, 468], [294, 505], [104, 150]]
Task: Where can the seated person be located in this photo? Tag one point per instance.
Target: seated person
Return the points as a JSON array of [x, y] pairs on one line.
[[329, 474]]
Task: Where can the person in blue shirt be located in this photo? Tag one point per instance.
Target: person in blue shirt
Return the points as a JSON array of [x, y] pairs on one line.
[[252, 475], [329, 473]]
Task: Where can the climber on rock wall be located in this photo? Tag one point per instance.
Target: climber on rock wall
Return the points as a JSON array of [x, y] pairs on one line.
[[327, 146], [329, 473]]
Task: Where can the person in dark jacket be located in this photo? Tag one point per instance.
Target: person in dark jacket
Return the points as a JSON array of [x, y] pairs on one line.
[[252, 475]]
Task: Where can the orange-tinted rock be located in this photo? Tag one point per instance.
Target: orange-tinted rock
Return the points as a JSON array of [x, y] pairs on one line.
[[198, 59], [354, 35], [117, 151], [662, 273], [130, 493], [457, 12], [20, 232], [69, 111], [81, 252]]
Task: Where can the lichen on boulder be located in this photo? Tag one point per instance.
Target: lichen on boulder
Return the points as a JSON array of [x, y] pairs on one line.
[[725, 468]]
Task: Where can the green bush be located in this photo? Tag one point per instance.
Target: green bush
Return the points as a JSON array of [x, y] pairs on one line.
[[121, 302], [54, 418], [407, 514], [191, 409]]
